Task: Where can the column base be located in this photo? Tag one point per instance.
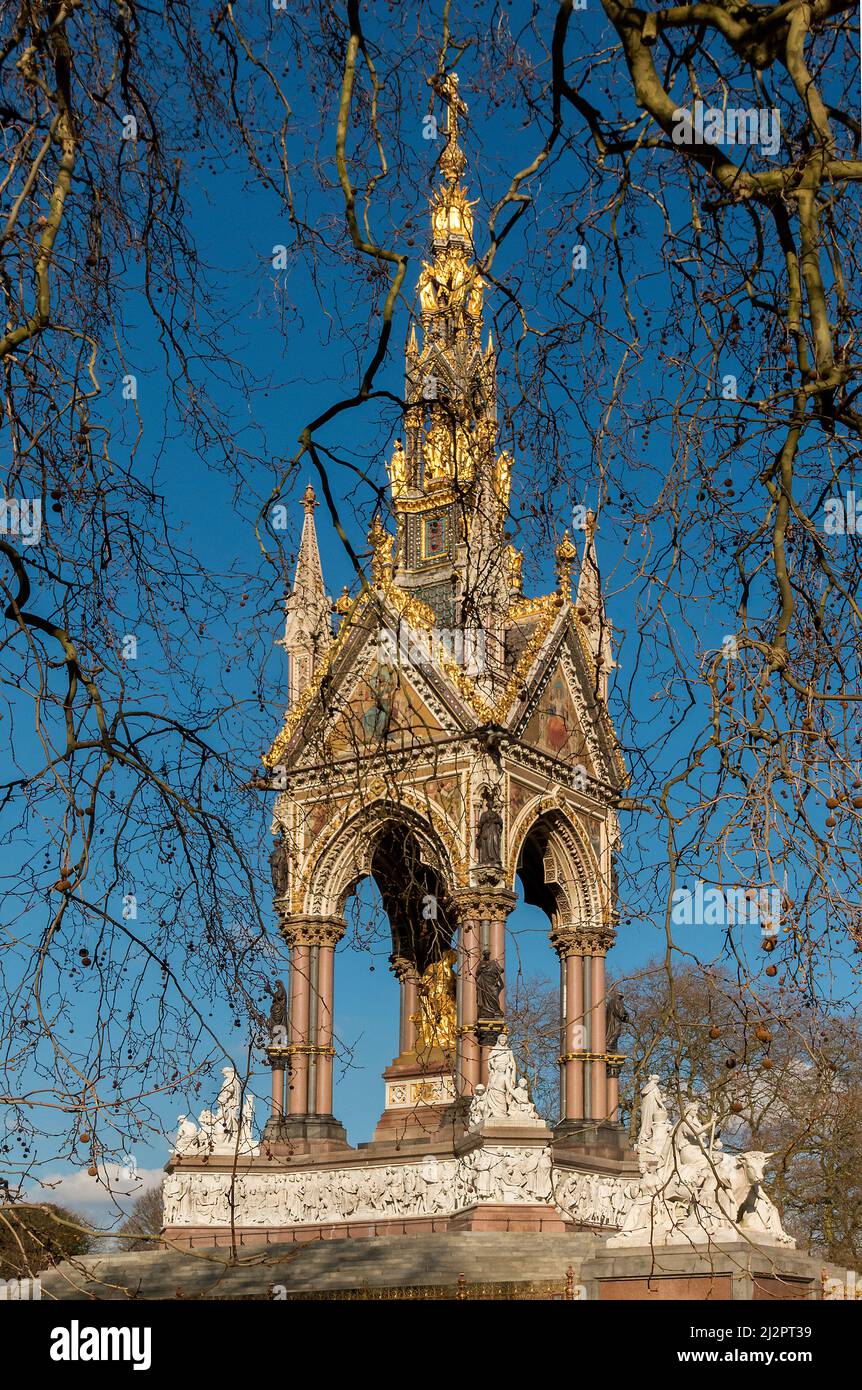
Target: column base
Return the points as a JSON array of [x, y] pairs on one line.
[[307, 1134], [593, 1139]]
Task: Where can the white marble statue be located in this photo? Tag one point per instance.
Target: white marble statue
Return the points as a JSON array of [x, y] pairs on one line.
[[691, 1191], [505, 1099], [187, 1135], [223, 1130]]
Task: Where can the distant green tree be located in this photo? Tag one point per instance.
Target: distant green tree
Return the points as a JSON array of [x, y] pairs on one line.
[[144, 1221], [33, 1237]]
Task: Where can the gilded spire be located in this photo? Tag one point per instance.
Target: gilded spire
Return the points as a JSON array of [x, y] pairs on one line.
[[451, 390], [452, 161], [449, 483]]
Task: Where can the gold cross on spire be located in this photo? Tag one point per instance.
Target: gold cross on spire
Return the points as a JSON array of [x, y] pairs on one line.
[[452, 161]]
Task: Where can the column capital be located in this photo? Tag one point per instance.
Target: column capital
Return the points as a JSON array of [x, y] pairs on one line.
[[483, 904], [402, 968], [312, 931], [568, 940]]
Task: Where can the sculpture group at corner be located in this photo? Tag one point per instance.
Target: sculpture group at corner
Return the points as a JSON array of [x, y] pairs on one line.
[[226, 1130], [691, 1190], [506, 1099]]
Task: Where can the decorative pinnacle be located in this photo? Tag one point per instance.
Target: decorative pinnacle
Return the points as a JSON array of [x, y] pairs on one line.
[[566, 555], [452, 161], [381, 552], [309, 500]]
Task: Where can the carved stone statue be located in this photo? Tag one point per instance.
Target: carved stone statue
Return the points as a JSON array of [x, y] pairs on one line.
[[278, 1015], [187, 1140], [615, 1020], [489, 986], [223, 1129], [691, 1190], [655, 1135], [505, 1098], [278, 867], [489, 836], [227, 1103]]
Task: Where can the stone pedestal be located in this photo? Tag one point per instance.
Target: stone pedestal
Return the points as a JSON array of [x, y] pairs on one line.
[[312, 1134], [505, 1216], [727, 1270], [601, 1144], [507, 1181], [420, 1094]]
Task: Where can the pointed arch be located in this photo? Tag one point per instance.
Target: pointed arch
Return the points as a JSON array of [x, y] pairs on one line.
[[558, 866], [348, 855]]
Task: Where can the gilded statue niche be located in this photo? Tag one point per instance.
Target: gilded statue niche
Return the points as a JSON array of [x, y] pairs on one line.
[[398, 470], [435, 1019]]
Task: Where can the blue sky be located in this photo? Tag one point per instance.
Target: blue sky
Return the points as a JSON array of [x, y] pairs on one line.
[[279, 328]]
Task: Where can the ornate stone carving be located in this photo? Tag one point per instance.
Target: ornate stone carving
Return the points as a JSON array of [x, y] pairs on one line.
[[509, 1174], [227, 1130], [506, 1099], [312, 931], [691, 1191], [484, 904], [594, 1199]]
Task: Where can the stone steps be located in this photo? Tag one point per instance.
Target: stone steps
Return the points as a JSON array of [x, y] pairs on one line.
[[327, 1265]]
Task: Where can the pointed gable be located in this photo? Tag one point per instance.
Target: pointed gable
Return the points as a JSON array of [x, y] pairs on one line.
[[554, 725], [383, 710]]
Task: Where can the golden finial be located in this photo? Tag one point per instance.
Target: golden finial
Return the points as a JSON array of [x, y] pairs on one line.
[[452, 160], [566, 555], [343, 602]]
